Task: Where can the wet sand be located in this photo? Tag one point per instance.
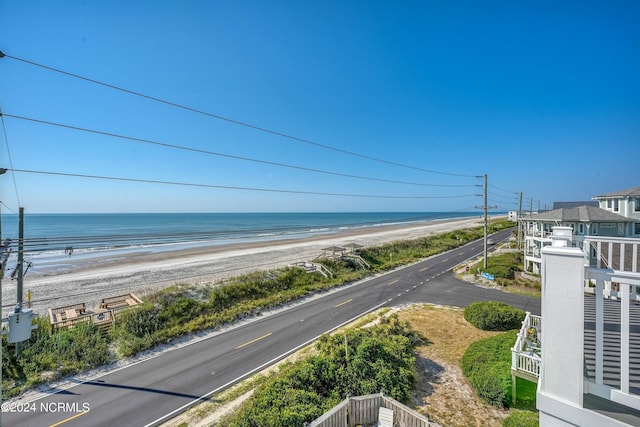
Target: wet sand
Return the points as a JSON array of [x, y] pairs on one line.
[[144, 272]]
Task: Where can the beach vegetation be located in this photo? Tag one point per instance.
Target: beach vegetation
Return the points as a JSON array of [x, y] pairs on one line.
[[505, 265], [395, 254], [48, 356], [183, 309], [487, 362], [493, 316], [357, 362], [487, 365], [521, 418]]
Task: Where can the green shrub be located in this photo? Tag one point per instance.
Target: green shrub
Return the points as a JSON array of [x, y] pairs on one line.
[[487, 365], [493, 316], [362, 362], [519, 418]]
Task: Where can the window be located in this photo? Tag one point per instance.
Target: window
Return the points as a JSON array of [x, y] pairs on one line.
[[637, 205], [594, 228], [581, 228], [616, 208], [636, 228], [609, 203]]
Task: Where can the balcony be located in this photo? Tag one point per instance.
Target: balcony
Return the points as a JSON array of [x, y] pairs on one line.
[[525, 354], [612, 321], [590, 303]]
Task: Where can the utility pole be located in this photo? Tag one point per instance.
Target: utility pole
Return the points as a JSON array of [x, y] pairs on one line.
[[2, 266], [486, 221], [485, 208], [530, 206], [20, 270], [520, 222], [1, 277]]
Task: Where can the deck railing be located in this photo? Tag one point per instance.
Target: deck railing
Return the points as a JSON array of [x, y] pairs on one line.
[[525, 354], [364, 410], [614, 253], [612, 335]]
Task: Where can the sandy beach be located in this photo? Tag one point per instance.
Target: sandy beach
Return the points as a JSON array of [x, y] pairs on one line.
[[145, 272]]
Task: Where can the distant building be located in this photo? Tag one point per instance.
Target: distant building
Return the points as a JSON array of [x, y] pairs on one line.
[[625, 203], [513, 216], [583, 220]]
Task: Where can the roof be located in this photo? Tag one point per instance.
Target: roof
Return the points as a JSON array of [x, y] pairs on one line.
[[630, 192], [580, 214], [558, 205]]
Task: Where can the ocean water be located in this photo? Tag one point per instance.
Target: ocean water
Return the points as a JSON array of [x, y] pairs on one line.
[[49, 238]]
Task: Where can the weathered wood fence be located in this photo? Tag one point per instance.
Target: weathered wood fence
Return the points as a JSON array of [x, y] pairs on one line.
[[363, 411]]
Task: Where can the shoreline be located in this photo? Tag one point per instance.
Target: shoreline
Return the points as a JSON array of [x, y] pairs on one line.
[[145, 272]]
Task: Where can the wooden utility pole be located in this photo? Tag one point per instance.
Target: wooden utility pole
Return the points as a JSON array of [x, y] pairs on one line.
[[485, 208], [486, 222], [520, 222], [20, 269]]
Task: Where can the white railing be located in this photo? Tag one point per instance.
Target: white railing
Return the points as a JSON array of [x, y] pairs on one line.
[[614, 330], [614, 253], [525, 354]]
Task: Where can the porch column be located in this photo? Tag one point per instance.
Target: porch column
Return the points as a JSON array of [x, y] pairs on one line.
[[562, 320]]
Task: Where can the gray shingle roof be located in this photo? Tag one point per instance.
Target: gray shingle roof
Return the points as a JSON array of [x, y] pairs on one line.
[[558, 205], [630, 192], [580, 214]]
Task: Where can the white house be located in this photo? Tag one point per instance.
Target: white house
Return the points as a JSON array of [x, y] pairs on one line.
[[625, 203], [589, 364], [583, 220]]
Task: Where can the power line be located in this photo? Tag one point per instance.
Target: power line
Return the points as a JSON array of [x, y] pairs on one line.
[[502, 189], [6, 139], [214, 153], [233, 121], [227, 187]]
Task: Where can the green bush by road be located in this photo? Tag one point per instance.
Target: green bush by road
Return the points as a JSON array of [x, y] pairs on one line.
[[493, 316]]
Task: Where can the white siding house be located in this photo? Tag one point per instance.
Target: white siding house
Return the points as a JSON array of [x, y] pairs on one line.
[[583, 220], [625, 203], [589, 371]]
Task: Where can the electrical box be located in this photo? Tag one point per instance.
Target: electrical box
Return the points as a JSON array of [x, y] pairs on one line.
[[20, 325]]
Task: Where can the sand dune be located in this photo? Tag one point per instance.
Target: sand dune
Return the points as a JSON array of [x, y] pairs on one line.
[[141, 273]]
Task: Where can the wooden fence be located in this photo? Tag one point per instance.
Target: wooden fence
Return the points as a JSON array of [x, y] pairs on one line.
[[364, 410]]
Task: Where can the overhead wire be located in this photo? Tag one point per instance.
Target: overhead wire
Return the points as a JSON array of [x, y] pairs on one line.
[[232, 156], [6, 140], [230, 187], [229, 120], [502, 189]]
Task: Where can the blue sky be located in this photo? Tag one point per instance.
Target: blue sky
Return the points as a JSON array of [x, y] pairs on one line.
[[543, 97]]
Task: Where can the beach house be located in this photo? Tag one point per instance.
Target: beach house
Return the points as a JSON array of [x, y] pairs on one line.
[[582, 220], [588, 354], [625, 203]]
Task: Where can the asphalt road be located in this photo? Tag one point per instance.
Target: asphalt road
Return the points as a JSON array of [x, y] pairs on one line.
[[153, 391]]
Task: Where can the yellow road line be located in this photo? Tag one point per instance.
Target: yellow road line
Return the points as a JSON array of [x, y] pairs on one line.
[[344, 302], [424, 269], [446, 260], [79, 414], [252, 341], [392, 282]]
